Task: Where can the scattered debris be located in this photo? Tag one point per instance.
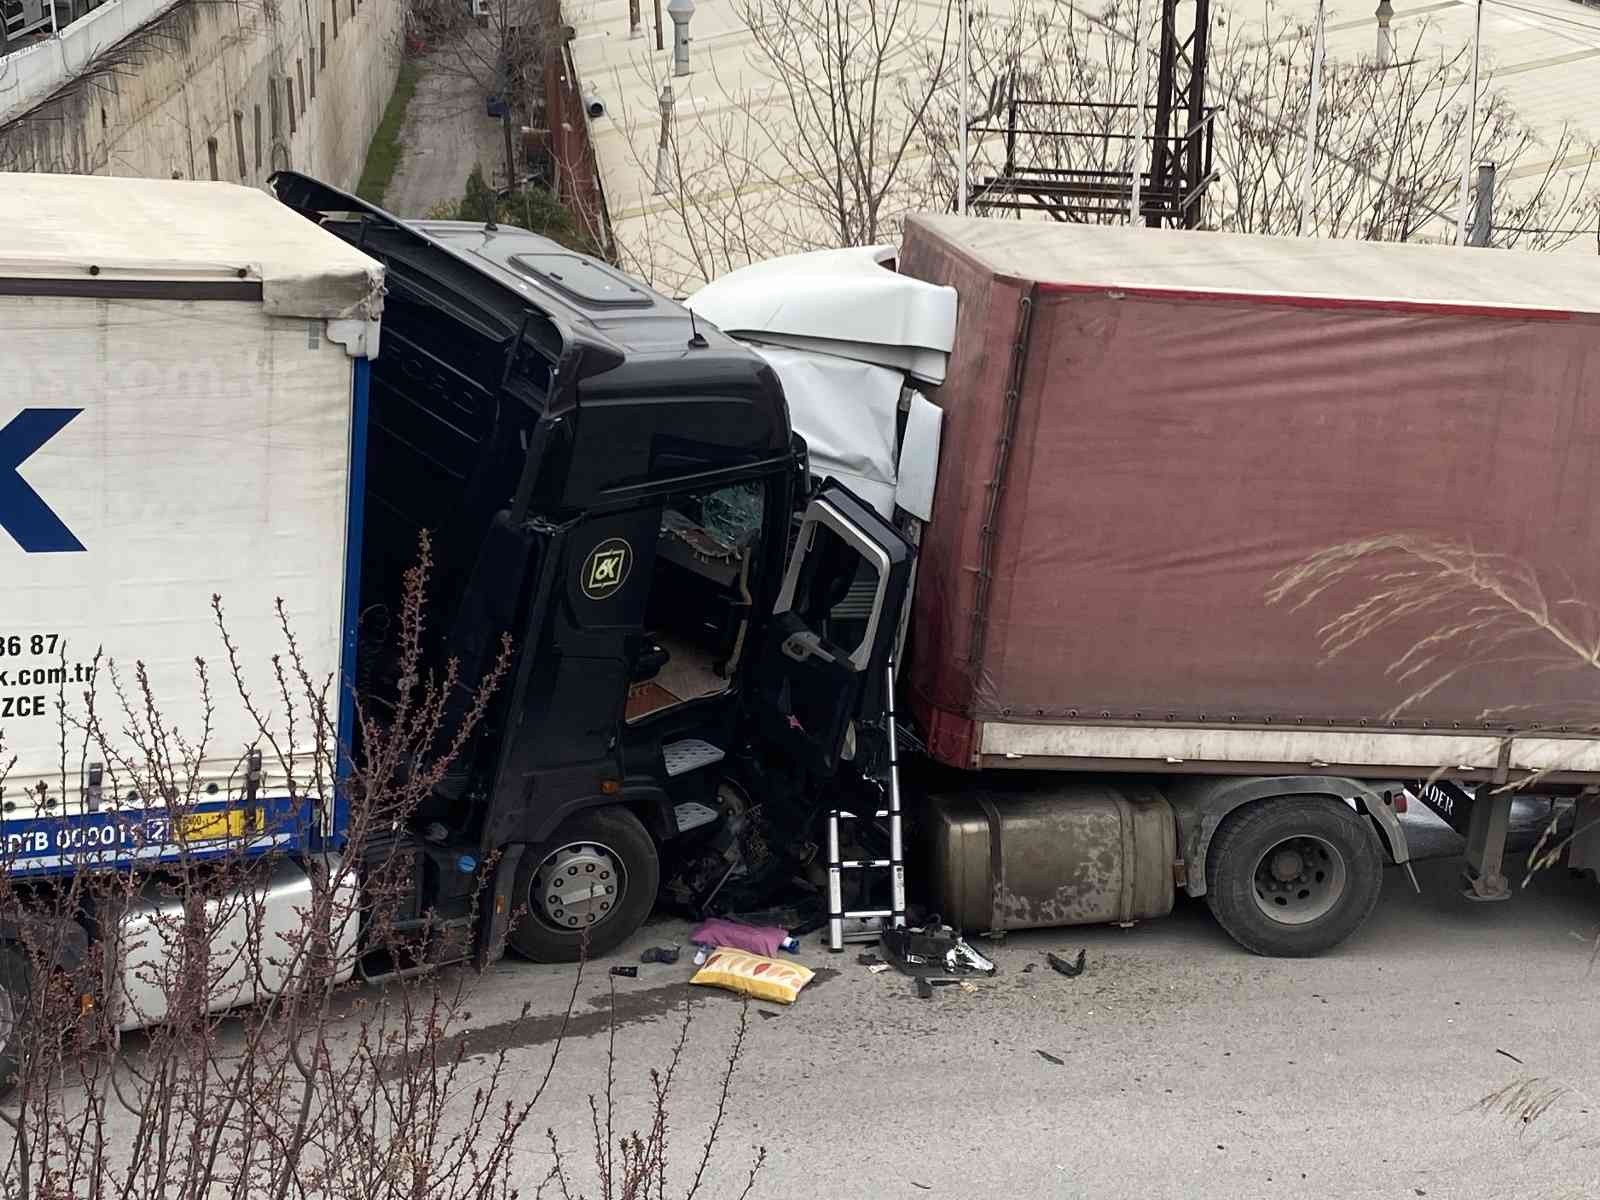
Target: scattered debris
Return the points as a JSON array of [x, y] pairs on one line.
[[755, 975], [1070, 969], [968, 986], [1511, 1056], [1051, 1058], [934, 949], [756, 939], [927, 1187], [926, 984], [868, 959], [1029, 968], [660, 954], [626, 972], [878, 968]]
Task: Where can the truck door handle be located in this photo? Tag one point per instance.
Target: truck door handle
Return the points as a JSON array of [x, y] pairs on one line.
[[804, 645]]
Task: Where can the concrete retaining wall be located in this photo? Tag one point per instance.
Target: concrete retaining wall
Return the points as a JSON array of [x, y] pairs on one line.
[[205, 89]]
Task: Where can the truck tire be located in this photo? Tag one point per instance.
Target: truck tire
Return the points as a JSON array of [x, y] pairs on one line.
[[611, 859], [15, 991], [1292, 876]]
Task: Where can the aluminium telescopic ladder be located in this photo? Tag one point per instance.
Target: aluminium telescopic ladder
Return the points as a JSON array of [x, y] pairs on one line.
[[895, 914]]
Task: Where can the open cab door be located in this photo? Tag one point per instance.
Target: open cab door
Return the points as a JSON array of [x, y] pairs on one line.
[[823, 664]]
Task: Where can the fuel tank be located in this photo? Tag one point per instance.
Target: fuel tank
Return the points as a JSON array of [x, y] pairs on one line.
[[1078, 853]]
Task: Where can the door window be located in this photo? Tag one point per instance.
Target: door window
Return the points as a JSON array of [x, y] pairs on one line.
[[835, 584]]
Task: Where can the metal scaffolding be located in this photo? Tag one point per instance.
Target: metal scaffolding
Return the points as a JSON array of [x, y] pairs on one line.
[[1175, 143]]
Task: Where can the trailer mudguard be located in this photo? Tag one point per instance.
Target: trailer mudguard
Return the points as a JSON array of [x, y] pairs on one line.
[[1201, 805]]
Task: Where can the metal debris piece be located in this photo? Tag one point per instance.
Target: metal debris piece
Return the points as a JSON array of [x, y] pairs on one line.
[[626, 972], [1051, 1058], [934, 950], [660, 954], [1070, 969]]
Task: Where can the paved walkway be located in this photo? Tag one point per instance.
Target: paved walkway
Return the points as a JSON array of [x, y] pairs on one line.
[[446, 132]]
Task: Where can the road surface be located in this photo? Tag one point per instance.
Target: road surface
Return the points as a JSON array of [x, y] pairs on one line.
[[1179, 1066]]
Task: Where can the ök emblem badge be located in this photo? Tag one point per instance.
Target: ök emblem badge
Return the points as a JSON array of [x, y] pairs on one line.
[[606, 568]]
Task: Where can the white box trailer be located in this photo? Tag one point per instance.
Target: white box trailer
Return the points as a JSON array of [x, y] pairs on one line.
[[186, 370]]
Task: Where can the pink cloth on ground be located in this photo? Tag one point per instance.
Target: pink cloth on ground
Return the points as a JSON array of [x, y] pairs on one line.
[[755, 938]]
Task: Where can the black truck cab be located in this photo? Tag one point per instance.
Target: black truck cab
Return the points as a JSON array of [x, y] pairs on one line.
[[700, 629]]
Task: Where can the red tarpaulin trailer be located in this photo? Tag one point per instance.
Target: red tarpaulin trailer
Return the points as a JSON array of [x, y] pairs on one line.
[[1146, 431]]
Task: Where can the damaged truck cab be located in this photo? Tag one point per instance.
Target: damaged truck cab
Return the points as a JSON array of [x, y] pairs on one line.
[[616, 487]]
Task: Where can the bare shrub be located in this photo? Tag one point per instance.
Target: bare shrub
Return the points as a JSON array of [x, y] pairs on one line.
[[1389, 139], [843, 118], [317, 1086]]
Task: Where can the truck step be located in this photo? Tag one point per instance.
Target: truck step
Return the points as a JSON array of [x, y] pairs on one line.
[[691, 754], [692, 816]]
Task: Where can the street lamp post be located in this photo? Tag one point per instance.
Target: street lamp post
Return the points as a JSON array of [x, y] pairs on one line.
[[680, 11]]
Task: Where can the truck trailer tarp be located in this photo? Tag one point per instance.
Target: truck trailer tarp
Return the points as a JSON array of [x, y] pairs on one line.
[[1145, 430], [186, 368]]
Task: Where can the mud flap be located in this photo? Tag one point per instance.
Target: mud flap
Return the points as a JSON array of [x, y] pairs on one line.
[[502, 902], [1390, 832]]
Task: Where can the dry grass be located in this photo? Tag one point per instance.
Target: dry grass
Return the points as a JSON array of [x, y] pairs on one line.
[[1452, 607]]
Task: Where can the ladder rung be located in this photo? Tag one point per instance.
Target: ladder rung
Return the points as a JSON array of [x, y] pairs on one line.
[[867, 912], [863, 864]]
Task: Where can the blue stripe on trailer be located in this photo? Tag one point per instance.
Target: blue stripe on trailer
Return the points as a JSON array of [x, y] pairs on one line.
[[361, 386]]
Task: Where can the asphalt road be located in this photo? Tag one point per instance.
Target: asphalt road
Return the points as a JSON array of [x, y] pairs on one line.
[[1178, 1065]]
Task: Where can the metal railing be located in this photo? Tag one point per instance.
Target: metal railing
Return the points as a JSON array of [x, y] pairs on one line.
[[1177, 167], [23, 22], [21, 19]]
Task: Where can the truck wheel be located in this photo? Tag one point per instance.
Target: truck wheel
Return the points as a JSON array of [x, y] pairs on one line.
[[1293, 876], [596, 877], [15, 988]]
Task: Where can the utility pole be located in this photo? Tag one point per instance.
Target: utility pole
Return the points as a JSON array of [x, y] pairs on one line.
[[1483, 208], [511, 157], [1136, 190], [1468, 133], [961, 194], [1313, 110], [663, 179]]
